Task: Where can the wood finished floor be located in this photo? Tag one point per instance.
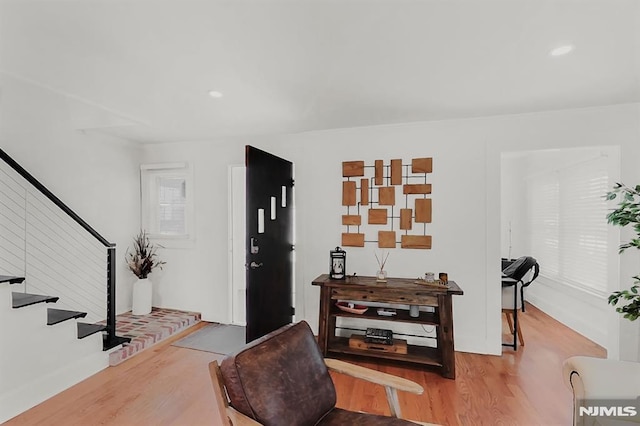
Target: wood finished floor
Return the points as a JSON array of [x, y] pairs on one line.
[[168, 385]]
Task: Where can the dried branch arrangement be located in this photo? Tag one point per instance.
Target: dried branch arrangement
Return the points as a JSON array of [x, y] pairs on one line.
[[143, 260], [384, 260]]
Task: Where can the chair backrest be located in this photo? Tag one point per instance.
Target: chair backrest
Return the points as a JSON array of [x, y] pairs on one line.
[[280, 379], [518, 270], [506, 262]]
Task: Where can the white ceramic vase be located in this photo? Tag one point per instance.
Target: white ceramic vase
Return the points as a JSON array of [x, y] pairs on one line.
[[142, 293]]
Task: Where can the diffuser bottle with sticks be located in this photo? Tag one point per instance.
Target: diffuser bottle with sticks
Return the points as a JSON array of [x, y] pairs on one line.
[[381, 275]]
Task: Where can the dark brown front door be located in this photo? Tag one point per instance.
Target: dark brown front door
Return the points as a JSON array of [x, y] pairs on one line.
[[269, 242]]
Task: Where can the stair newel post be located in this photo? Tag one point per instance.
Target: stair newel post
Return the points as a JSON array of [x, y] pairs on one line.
[[111, 294], [111, 340]]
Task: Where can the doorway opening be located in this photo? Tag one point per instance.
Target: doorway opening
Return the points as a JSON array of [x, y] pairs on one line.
[[553, 208]]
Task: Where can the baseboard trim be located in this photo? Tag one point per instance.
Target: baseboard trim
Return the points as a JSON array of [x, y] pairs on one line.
[[555, 304]]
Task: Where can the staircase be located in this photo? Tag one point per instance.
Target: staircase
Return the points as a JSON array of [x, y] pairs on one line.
[[67, 271], [44, 349]]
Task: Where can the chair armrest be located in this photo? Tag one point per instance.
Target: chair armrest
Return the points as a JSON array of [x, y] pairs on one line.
[[373, 376], [598, 378], [391, 383]]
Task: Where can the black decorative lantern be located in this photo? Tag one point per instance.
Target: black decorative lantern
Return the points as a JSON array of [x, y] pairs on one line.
[[337, 264]]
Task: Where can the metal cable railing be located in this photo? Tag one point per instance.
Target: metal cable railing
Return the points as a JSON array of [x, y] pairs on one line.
[[57, 252]]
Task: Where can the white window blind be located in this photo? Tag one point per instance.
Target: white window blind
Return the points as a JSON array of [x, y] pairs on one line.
[[171, 207], [567, 223], [167, 200], [544, 221]]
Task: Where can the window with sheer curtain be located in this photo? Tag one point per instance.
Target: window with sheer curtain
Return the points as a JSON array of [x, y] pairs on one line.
[[567, 223], [166, 200]]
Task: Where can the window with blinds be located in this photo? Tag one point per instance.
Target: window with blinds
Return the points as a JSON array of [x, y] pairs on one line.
[[171, 206], [567, 223], [167, 200]]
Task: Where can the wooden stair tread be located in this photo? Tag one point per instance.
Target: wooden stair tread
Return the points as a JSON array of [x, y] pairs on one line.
[[85, 329], [55, 316], [11, 279], [21, 300]]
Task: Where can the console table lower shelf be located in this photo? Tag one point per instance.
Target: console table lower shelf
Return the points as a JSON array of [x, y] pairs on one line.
[[415, 354], [397, 346]]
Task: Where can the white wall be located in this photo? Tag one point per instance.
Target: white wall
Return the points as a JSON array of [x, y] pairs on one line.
[[459, 213], [513, 200], [94, 174], [466, 219], [195, 277]]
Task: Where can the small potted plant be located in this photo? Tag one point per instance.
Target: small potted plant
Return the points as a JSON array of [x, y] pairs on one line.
[[142, 260], [627, 213]]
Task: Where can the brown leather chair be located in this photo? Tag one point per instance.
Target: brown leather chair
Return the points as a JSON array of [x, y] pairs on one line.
[[282, 379]]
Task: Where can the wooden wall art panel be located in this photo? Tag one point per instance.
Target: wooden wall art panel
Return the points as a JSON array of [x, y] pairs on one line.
[[423, 210], [349, 193], [420, 188], [406, 216], [379, 172], [393, 218], [396, 172], [364, 192], [353, 240], [352, 168], [387, 239], [387, 195], [422, 165], [351, 219], [377, 217], [416, 241]]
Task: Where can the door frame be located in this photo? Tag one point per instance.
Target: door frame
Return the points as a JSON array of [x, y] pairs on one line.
[[235, 189]]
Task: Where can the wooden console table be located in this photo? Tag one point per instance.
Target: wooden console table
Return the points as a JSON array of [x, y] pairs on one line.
[[401, 291]]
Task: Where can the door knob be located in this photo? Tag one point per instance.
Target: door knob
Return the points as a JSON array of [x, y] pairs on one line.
[[255, 265]]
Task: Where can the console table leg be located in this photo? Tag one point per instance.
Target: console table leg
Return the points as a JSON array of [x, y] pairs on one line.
[[323, 326], [445, 336]]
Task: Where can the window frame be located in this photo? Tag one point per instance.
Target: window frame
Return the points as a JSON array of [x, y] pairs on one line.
[[150, 202]]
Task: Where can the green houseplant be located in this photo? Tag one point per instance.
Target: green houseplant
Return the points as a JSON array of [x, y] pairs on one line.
[[627, 213], [142, 260]]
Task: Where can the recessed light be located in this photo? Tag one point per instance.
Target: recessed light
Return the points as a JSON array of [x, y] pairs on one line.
[[562, 50], [215, 94]]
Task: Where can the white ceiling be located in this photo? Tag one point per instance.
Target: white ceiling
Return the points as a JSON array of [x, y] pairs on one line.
[[141, 69]]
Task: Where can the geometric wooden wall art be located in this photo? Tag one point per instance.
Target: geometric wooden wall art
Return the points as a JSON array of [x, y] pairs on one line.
[[387, 203]]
